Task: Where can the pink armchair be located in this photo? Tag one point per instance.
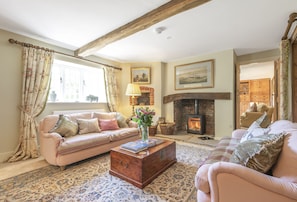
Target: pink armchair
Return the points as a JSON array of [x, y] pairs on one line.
[[223, 181]]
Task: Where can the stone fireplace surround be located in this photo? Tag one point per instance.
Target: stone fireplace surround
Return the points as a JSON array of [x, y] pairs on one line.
[[184, 104]]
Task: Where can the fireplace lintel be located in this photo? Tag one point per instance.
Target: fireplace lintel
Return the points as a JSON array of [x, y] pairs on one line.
[[201, 96]]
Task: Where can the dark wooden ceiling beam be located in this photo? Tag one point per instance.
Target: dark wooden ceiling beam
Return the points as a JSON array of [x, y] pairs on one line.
[[163, 12]]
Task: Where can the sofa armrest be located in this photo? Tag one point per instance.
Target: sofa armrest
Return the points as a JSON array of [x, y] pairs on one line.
[[232, 182], [49, 143]]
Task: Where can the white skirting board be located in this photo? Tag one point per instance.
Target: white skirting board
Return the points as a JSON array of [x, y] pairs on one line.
[[77, 111]]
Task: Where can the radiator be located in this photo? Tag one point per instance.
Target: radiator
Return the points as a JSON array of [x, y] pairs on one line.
[[77, 111]]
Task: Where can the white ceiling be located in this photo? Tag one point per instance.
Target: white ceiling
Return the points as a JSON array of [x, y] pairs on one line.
[[245, 26], [257, 70]]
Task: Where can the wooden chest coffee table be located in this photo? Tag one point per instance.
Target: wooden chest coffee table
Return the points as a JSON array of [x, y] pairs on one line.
[[142, 168]]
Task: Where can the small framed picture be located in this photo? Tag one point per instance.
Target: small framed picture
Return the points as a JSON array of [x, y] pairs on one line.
[[194, 75], [141, 75]]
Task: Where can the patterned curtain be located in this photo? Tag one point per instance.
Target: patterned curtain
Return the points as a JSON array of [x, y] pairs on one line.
[[111, 89], [37, 65], [284, 77]]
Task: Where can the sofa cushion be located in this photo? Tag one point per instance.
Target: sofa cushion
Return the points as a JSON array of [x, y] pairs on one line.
[[286, 166], [282, 125], [105, 115], [79, 115], [88, 126], [259, 153], [81, 142], [65, 127], [122, 133], [108, 124]]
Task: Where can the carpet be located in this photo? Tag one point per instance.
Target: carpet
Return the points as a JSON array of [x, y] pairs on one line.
[[89, 180]]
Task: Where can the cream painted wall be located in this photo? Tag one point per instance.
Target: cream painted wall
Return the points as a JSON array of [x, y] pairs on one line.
[[157, 69], [162, 80], [10, 89], [224, 78]]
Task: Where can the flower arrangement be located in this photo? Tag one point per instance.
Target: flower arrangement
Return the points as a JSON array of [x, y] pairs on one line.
[[144, 116]]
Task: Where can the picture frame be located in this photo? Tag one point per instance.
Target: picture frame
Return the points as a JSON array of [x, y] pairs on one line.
[[194, 75], [140, 75]]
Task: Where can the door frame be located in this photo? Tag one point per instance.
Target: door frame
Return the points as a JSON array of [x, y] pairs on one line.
[[274, 87]]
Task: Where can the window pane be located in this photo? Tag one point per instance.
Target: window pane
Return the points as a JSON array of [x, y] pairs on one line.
[[76, 83]]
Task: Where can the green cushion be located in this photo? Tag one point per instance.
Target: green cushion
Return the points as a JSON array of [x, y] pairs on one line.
[[259, 153], [65, 127]]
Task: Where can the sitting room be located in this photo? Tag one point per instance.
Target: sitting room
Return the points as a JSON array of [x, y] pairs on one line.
[[136, 100]]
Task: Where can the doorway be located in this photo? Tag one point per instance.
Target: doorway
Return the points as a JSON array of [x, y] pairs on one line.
[[256, 86]]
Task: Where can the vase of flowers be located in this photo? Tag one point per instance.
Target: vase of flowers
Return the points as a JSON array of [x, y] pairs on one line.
[[144, 119]]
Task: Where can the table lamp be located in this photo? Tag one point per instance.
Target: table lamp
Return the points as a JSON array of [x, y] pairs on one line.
[[133, 90]]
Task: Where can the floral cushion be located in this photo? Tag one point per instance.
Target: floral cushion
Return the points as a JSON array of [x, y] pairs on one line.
[[259, 153]]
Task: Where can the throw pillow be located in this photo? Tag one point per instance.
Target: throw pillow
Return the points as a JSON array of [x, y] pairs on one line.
[[65, 127], [108, 124], [255, 129], [122, 121], [262, 107], [252, 108], [259, 153], [88, 126]]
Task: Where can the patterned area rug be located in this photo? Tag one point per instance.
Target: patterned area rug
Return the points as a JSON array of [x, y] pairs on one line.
[[89, 180]]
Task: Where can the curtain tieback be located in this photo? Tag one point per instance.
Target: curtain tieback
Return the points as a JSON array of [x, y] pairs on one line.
[[26, 111]]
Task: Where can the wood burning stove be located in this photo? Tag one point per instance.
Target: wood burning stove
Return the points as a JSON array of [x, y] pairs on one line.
[[196, 122]]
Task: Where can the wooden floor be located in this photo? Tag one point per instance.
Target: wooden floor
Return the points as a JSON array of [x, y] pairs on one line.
[[8, 170]]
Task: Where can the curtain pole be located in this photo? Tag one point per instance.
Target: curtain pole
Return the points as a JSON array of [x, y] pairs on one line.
[[12, 41]]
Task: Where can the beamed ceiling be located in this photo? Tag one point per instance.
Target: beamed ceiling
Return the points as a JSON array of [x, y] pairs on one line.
[[127, 31]]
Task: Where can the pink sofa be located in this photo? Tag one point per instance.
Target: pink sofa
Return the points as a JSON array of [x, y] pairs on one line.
[[219, 180], [62, 151]]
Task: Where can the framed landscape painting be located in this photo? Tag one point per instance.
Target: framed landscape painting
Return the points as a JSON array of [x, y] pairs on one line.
[[194, 75], [141, 75]]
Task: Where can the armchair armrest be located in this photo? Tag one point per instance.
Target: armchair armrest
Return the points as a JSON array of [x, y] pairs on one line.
[[232, 182], [247, 118]]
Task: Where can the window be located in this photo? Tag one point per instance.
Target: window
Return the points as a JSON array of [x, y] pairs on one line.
[[76, 83]]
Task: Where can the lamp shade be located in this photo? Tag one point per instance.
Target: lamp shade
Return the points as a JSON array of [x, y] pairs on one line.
[[133, 90]]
